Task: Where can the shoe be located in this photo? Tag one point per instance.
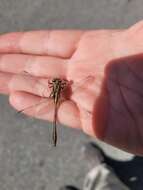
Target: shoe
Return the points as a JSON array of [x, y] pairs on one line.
[[92, 154], [68, 187]]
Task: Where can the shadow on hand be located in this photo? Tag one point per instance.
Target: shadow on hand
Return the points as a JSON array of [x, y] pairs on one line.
[[118, 112]]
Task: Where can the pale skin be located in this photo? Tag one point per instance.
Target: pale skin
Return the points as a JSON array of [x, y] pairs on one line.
[[104, 68]]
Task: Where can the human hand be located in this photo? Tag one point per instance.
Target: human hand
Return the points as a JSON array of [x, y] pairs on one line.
[[108, 104]]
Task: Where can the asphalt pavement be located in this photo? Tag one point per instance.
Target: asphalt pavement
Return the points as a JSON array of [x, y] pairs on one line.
[[26, 160]]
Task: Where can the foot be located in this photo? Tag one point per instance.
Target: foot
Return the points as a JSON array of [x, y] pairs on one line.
[[68, 187], [92, 154]]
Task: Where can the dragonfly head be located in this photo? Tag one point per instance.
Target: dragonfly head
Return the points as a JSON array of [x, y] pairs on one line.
[[56, 80]]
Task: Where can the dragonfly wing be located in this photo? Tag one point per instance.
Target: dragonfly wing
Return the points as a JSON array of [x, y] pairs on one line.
[[82, 82]]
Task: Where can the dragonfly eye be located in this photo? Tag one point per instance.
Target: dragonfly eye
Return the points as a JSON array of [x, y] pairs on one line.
[[53, 80]]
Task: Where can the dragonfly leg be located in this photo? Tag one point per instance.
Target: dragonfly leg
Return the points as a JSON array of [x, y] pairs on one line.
[[50, 84], [51, 95], [63, 84]]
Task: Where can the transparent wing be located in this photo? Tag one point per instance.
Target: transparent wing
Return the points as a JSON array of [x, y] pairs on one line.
[[64, 84], [82, 82]]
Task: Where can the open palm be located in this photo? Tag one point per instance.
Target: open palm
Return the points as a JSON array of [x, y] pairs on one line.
[[105, 67]]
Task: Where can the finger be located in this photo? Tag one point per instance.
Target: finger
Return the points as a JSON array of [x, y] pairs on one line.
[[30, 84], [44, 66], [45, 111], [55, 43], [4, 82]]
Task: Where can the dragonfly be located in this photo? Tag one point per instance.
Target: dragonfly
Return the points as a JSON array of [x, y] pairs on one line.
[[57, 85]]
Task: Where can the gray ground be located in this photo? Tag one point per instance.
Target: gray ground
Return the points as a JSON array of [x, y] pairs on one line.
[[26, 161]]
